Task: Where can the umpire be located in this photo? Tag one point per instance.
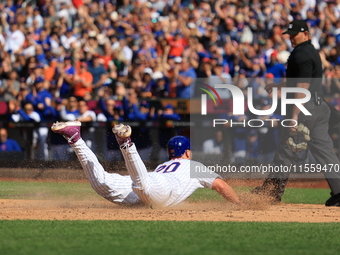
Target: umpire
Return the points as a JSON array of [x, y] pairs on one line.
[[304, 70]]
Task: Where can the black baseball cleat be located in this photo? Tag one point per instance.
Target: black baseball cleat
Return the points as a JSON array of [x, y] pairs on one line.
[[334, 200]]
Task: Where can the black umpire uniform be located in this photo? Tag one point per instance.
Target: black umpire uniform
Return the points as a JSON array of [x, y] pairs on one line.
[[304, 66]]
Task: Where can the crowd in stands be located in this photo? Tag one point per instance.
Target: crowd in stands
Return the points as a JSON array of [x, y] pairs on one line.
[[57, 55]]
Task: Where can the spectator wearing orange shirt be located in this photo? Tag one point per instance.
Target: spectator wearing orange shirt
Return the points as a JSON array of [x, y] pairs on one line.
[[49, 71], [107, 57], [83, 82], [177, 44]]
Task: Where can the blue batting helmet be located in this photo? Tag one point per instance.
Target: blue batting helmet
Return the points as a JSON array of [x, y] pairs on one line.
[[177, 145]]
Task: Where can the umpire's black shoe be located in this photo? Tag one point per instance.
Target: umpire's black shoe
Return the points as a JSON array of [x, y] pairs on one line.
[[334, 200]]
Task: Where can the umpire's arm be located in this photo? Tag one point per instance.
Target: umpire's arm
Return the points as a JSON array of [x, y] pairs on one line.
[[269, 87], [303, 74], [298, 95], [225, 190]]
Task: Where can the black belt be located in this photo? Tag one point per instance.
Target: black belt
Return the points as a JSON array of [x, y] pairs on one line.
[[317, 98]]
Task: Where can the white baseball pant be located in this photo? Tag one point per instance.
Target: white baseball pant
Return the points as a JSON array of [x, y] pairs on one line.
[[113, 187], [151, 188]]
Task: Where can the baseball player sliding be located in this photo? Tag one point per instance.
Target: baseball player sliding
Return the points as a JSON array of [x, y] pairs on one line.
[[168, 185]]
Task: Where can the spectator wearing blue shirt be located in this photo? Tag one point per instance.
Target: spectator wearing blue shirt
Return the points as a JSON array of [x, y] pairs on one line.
[[7, 144], [27, 114], [138, 113], [66, 73], [311, 18], [40, 54], [276, 68], [40, 134], [110, 110], [44, 40], [147, 51], [10, 6], [185, 77], [141, 112], [71, 111], [99, 74], [167, 114], [157, 29], [39, 97]]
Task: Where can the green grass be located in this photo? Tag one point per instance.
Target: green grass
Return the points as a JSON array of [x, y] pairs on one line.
[[45, 190], [164, 237], [291, 196], [160, 237], [50, 190], [306, 196]]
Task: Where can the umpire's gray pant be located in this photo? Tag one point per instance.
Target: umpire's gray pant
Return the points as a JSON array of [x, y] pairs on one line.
[[320, 145]]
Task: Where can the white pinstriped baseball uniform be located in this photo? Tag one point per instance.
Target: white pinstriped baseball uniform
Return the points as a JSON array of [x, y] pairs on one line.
[[168, 185]]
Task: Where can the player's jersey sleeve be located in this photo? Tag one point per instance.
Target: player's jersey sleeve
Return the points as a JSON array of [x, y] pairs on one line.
[[205, 176]]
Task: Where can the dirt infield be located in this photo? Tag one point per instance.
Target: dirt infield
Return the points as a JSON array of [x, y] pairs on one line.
[[212, 211], [257, 209]]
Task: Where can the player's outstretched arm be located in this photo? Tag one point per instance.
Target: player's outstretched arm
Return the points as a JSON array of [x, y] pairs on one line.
[[226, 191]]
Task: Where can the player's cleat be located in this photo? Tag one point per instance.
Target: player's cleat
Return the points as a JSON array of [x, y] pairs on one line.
[[70, 130], [334, 200], [122, 133]]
